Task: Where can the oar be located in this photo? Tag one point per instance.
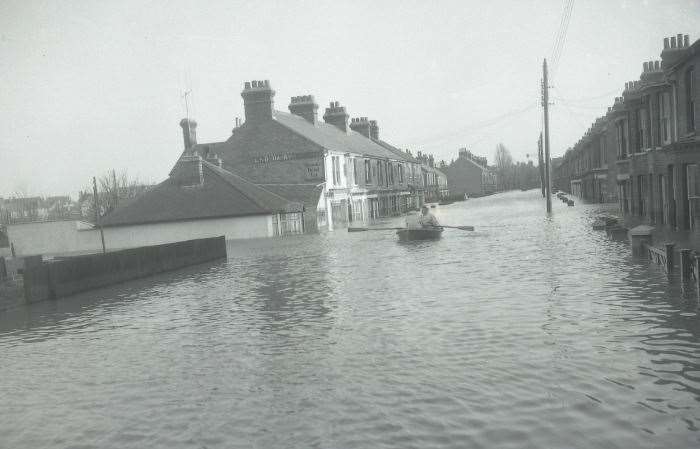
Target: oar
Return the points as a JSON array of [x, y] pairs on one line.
[[372, 229], [463, 228]]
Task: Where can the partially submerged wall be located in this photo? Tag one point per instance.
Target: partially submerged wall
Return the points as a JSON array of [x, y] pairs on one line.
[[72, 275], [63, 238]]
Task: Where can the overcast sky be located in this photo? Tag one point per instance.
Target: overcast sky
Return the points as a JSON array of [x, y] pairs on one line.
[[88, 86]]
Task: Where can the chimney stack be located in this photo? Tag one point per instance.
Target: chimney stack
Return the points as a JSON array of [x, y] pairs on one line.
[[187, 171], [674, 48], [305, 106], [361, 125], [189, 132], [337, 116], [374, 130], [258, 101]]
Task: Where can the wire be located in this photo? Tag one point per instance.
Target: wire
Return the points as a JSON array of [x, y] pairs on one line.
[[477, 126], [560, 36]]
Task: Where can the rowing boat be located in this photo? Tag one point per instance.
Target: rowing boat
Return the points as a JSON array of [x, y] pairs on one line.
[[406, 235]]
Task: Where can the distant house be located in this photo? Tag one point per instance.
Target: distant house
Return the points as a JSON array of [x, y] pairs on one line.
[[469, 175]]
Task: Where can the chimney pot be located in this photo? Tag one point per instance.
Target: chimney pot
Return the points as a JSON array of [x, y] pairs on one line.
[[645, 67], [679, 39], [686, 41], [666, 44], [657, 65], [673, 41]]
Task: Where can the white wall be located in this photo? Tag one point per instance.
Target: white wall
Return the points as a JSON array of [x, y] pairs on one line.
[[65, 237], [52, 237]]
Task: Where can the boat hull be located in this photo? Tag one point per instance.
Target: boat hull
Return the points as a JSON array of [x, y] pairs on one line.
[[407, 235]]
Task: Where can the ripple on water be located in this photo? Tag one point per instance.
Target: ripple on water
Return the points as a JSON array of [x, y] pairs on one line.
[[529, 332]]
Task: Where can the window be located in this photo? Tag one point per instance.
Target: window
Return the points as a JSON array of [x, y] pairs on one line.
[[368, 172], [603, 155], [621, 139], [640, 129], [336, 170], [287, 224], [690, 100], [400, 173], [346, 169], [665, 106], [354, 171]]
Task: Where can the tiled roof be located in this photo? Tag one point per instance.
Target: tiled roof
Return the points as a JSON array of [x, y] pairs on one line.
[[331, 138], [398, 152], [307, 194], [222, 194]]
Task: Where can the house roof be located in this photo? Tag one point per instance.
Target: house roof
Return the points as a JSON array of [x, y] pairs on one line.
[[306, 194], [222, 194], [332, 138], [398, 152]]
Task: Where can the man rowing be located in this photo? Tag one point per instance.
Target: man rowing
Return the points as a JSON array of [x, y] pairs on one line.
[[427, 219]]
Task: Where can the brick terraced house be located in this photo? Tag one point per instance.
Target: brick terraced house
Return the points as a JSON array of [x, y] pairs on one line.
[[648, 143], [281, 173]]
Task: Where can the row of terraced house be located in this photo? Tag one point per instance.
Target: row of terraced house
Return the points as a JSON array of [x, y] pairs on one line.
[[278, 173], [645, 151]]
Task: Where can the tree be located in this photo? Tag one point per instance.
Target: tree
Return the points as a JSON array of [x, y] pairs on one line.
[[504, 167], [113, 189], [503, 159]]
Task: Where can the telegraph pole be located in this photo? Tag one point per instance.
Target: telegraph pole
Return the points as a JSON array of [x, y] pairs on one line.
[[545, 104], [97, 213], [540, 164]]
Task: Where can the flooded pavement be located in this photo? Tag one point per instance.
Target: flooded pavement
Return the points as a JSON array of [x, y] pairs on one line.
[[529, 332]]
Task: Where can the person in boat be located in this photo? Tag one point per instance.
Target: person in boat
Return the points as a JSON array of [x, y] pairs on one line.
[[427, 219]]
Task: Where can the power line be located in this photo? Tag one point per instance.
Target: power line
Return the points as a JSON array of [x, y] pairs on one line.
[[480, 125], [560, 36]]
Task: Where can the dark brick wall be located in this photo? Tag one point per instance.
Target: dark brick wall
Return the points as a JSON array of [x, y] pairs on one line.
[[77, 274], [269, 153]]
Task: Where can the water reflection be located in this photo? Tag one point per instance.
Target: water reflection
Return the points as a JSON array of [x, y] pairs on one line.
[[533, 331]]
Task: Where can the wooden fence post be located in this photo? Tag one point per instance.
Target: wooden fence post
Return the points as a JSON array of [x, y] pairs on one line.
[[669, 257], [686, 265]]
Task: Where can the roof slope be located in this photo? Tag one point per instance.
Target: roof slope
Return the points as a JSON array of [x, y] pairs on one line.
[[398, 152], [222, 194], [307, 194], [331, 138]]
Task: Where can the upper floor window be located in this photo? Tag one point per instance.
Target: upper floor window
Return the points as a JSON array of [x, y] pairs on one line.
[[400, 173], [354, 171], [640, 130], [665, 114], [690, 100], [336, 170], [621, 127], [368, 171]]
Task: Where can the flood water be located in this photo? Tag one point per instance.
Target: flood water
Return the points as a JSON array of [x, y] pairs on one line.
[[530, 332]]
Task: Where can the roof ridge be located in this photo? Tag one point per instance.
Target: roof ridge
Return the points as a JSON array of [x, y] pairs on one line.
[[354, 134]]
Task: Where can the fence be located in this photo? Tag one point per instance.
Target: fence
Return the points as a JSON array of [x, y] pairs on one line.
[[51, 280]]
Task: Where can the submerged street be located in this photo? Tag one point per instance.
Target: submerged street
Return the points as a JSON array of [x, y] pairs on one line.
[[528, 332]]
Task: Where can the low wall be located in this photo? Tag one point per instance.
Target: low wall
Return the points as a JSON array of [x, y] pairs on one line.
[[50, 280]]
